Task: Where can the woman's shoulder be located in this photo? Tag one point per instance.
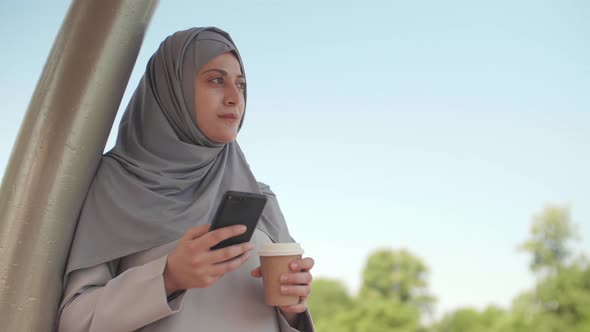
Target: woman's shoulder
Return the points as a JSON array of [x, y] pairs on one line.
[[265, 189]]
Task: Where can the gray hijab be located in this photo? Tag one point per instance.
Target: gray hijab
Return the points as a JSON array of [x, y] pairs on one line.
[[164, 175]]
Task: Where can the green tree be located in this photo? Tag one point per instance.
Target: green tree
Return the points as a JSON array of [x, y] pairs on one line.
[[565, 296], [462, 320], [328, 297], [396, 275], [471, 320], [378, 315], [550, 234], [492, 316], [393, 292], [561, 299], [524, 312]]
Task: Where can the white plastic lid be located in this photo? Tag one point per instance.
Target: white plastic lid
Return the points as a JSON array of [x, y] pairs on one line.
[[280, 249]]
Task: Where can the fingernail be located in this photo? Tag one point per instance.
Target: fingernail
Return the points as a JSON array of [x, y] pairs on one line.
[[294, 265], [242, 228], [284, 278], [283, 288]]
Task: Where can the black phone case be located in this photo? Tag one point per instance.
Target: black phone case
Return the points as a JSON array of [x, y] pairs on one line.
[[235, 208]]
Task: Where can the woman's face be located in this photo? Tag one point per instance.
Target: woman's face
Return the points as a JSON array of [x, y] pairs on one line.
[[219, 98]]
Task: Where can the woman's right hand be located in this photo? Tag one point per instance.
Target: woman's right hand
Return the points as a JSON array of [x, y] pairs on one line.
[[192, 265]]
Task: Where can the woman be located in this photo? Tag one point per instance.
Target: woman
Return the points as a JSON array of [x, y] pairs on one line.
[[140, 259]]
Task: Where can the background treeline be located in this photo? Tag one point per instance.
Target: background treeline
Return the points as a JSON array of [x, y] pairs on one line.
[[394, 295]]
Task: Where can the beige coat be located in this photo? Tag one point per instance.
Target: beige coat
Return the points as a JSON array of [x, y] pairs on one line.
[[133, 298]]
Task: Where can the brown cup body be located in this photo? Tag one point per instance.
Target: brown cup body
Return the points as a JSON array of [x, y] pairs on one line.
[[272, 269]]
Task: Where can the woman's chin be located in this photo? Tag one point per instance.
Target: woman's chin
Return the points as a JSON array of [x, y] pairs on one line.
[[223, 139]]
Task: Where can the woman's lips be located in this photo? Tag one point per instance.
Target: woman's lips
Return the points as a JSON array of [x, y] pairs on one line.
[[229, 117]]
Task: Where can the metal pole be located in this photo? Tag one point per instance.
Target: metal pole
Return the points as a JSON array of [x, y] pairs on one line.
[[57, 152]]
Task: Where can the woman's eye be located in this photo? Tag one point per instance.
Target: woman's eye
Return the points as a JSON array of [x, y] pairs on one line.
[[217, 80], [241, 85]]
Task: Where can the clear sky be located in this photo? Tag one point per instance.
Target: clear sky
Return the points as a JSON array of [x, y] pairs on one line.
[[437, 126]]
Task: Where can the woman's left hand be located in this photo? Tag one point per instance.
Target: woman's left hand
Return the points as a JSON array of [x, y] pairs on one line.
[[297, 282]]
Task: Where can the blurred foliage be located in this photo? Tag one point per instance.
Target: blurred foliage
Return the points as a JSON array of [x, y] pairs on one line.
[[396, 275], [374, 316], [328, 298], [394, 295], [549, 242]]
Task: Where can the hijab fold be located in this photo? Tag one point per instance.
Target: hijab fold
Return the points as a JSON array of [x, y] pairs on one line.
[[164, 175]]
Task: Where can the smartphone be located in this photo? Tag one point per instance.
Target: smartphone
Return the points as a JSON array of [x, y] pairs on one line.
[[238, 208]]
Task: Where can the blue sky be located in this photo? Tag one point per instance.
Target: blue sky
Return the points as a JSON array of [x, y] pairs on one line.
[[441, 127]]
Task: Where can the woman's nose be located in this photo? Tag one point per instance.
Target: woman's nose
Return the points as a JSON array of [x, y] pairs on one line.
[[233, 95]]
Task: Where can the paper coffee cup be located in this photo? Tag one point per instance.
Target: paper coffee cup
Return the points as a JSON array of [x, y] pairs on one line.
[[274, 261]]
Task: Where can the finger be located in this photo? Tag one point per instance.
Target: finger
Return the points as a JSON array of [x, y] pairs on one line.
[[212, 238], [299, 278], [296, 290], [256, 273], [304, 264], [296, 308], [220, 269], [195, 232], [227, 253]]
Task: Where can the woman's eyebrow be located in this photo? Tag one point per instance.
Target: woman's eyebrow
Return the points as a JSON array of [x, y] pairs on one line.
[[222, 72]]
